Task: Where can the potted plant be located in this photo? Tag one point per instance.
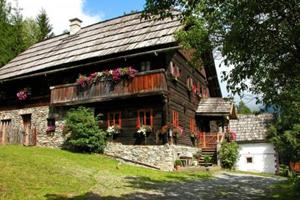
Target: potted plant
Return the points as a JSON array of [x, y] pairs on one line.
[[177, 164], [207, 160], [144, 130], [142, 133], [177, 132], [113, 130]]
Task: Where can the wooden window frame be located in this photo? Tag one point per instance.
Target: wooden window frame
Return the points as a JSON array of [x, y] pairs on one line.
[[175, 118], [175, 70], [144, 111], [189, 83], [114, 120]]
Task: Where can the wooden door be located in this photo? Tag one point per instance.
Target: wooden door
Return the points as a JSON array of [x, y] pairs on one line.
[[27, 128], [4, 128]]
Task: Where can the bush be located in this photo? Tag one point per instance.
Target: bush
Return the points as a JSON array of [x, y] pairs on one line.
[[284, 170], [178, 163], [229, 154], [84, 133]]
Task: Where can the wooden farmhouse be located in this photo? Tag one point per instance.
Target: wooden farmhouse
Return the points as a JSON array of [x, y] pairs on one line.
[[129, 71]]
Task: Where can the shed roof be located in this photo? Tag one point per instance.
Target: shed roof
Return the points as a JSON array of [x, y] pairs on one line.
[[117, 35], [216, 107]]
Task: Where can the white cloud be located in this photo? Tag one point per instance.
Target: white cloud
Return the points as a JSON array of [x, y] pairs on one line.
[[58, 11]]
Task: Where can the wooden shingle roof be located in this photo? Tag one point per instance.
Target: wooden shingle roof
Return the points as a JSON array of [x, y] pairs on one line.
[[216, 107], [117, 35]]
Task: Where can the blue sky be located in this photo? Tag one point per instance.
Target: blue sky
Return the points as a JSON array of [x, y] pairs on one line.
[[112, 8]]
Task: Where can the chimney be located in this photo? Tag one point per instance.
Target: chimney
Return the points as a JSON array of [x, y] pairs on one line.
[[75, 25]]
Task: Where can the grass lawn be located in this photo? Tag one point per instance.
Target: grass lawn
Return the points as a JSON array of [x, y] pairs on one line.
[[43, 173], [284, 191]]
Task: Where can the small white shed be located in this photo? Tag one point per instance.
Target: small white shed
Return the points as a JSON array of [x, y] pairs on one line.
[[255, 153], [257, 157]]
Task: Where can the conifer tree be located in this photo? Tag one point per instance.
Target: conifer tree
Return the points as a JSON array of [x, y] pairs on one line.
[[45, 27]]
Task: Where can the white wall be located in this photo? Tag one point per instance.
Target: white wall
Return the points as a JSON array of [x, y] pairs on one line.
[[263, 158]]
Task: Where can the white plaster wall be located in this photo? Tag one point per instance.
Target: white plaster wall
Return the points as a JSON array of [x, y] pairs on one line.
[[263, 158]]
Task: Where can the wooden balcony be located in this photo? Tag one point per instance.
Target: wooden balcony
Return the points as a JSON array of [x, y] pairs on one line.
[[143, 84]]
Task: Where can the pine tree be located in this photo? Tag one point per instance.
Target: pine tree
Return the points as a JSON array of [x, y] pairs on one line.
[[44, 26], [5, 31]]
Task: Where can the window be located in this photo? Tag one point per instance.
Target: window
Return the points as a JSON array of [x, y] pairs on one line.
[[199, 88], [145, 65], [114, 118], [249, 160], [189, 83], [5, 122], [144, 117], [175, 119], [50, 125], [205, 92], [193, 125], [175, 71]]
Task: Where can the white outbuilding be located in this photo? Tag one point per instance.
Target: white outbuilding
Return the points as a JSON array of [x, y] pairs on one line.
[[255, 153]]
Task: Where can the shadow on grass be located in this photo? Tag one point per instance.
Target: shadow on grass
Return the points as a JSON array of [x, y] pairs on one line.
[[226, 186]]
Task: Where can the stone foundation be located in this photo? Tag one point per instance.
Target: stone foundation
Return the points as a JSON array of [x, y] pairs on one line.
[[160, 156], [39, 116]]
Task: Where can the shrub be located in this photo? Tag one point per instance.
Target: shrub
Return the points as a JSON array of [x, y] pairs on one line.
[[85, 135], [229, 154], [178, 163]]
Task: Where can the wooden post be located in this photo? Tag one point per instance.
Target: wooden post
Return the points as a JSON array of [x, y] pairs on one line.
[[204, 140]]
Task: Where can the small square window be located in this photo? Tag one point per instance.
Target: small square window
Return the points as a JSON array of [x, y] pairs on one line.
[[249, 160], [50, 125]]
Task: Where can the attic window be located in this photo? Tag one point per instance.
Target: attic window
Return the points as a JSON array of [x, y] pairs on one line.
[[249, 160]]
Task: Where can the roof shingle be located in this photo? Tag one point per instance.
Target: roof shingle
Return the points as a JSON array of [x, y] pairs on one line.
[[117, 35]]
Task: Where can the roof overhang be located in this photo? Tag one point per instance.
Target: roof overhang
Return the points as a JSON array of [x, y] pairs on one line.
[[216, 107]]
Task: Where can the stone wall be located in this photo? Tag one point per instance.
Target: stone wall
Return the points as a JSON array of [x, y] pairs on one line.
[[160, 156], [39, 116], [251, 127]]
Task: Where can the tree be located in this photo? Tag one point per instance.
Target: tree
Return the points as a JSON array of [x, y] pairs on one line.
[[44, 26], [85, 135], [31, 32], [243, 109], [11, 40], [5, 32], [260, 38]]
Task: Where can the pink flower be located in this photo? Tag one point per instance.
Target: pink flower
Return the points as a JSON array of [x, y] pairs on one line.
[[23, 94], [116, 74], [233, 136], [131, 72]]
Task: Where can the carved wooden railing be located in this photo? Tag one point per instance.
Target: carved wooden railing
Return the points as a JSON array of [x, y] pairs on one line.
[[145, 83], [210, 139]]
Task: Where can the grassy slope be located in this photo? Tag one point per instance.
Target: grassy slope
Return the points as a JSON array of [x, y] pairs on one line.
[[42, 173]]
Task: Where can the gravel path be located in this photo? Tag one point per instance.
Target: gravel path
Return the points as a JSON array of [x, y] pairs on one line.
[[223, 186]]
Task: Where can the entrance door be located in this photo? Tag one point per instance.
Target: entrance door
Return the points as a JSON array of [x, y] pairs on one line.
[[27, 128], [4, 129]]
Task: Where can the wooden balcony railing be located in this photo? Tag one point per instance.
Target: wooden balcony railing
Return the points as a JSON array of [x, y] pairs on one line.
[[143, 84], [209, 139]]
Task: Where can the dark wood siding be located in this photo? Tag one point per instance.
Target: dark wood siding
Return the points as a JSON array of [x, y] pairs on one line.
[[182, 100], [128, 109]]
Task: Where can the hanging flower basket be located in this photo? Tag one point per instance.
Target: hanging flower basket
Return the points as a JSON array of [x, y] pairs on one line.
[[115, 75], [144, 130], [23, 94]]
